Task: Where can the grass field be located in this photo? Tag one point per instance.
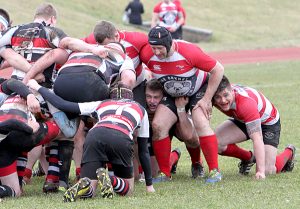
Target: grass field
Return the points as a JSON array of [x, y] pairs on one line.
[[237, 24], [279, 81]]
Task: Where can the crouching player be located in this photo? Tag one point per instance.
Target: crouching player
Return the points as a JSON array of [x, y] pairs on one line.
[[110, 140], [253, 117], [19, 132]]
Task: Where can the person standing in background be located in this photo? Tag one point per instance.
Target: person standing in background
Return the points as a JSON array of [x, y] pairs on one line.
[[135, 9], [178, 4], [169, 15]]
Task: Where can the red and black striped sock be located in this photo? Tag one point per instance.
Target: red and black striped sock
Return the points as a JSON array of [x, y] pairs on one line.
[[21, 166], [120, 186], [53, 169]]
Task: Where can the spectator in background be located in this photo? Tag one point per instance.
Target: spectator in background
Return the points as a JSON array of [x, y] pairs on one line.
[[178, 4], [169, 15], [134, 10]]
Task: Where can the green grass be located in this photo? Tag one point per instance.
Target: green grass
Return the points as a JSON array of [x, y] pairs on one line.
[[236, 24], [279, 81]]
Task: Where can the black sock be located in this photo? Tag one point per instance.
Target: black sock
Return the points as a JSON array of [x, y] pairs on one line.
[[65, 152]]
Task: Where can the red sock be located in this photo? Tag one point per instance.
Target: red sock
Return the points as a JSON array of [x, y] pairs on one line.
[[234, 151], [53, 131], [173, 158], [282, 158], [140, 169], [28, 173], [195, 154], [162, 150], [209, 147], [77, 171]]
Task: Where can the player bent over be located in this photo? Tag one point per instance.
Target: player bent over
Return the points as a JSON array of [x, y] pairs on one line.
[[110, 140], [253, 117]]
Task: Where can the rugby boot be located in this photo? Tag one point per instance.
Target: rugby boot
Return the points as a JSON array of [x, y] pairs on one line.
[[106, 189]]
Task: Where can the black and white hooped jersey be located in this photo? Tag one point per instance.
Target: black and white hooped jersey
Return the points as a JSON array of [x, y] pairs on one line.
[[123, 115]]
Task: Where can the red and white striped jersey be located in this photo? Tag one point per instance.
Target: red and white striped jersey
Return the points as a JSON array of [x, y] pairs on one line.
[[123, 115], [184, 72], [133, 43], [167, 13], [250, 105]]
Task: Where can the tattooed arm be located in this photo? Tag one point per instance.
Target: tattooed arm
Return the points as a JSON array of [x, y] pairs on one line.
[[255, 133]]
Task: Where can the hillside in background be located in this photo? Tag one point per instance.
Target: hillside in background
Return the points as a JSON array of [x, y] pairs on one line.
[[236, 24]]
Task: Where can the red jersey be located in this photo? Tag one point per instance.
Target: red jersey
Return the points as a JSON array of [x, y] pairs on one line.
[[184, 72], [168, 14], [133, 43], [250, 105]]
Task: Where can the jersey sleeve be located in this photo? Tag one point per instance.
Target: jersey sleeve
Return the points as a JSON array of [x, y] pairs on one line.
[[127, 65], [144, 127], [156, 9], [90, 39], [87, 108], [247, 110], [55, 35], [196, 56], [5, 38]]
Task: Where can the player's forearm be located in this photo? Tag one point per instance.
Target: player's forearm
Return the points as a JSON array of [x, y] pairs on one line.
[[214, 80], [58, 102], [259, 151], [144, 158], [184, 126], [12, 85], [15, 60], [128, 78]]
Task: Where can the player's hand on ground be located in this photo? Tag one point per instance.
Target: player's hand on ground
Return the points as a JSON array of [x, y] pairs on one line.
[[33, 84], [33, 104], [150, 189], [260, 176]]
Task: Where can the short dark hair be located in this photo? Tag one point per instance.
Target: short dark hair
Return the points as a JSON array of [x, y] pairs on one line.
[[223, 84], [5, 15], [154, 85], [45, 10], [104, 29]]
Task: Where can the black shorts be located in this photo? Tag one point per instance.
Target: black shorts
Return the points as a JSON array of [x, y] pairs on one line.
[[139, 94], [17, 142], [271, 133], [104, 145], [169, 101], [80, 85]]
